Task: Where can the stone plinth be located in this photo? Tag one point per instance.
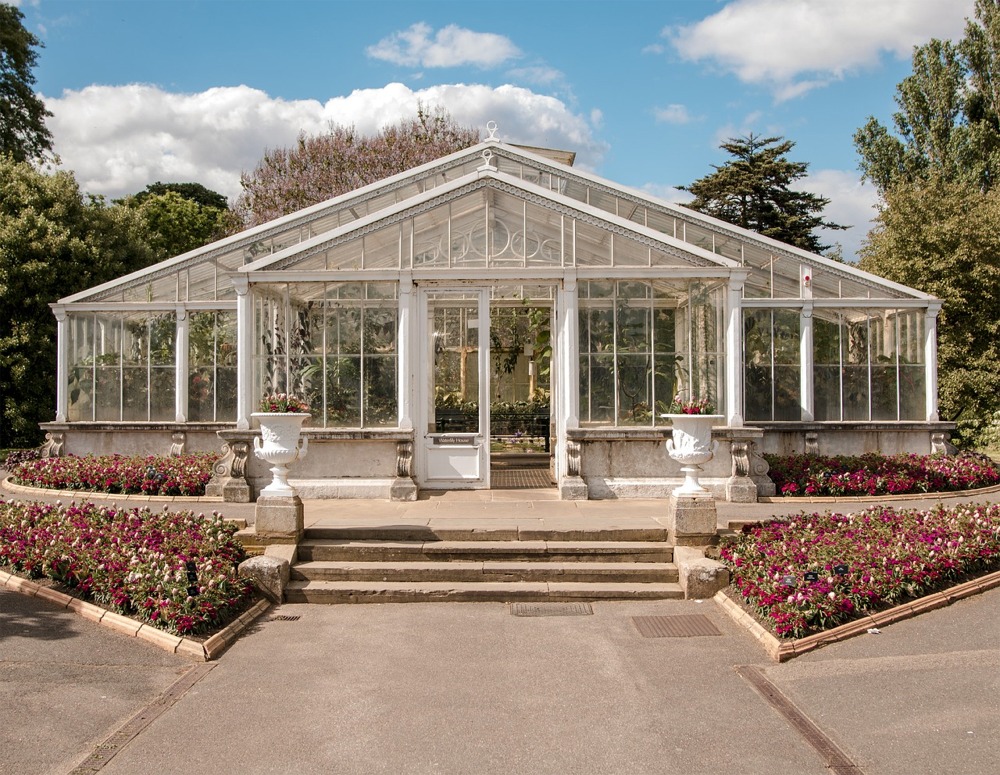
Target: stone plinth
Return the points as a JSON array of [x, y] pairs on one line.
[[699, 576], [692, 519], [269, 574], [279, 518]]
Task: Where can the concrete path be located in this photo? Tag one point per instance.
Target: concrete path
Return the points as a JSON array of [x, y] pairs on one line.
[[469, 688]]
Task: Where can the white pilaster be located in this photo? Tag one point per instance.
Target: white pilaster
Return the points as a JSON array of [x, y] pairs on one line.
[[244, 351], [406, 348], [807, 401], [181, 366], [566, 365], [930, 360], [62, 364], [734, 350]]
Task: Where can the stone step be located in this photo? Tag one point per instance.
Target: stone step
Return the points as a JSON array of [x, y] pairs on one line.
[[502, 592], [481, 533], [445, 551], [490, 571]]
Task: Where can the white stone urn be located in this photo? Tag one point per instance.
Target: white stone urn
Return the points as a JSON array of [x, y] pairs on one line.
[[280, 443], [691, 445]]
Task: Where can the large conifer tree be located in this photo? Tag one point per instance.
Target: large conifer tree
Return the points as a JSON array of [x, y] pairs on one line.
[[753, 190]]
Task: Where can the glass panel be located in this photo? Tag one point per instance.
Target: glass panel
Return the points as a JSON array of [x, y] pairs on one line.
[[454, 326], [380, 408], [826, 365], [382, 248], [771, 364], [855, 358]]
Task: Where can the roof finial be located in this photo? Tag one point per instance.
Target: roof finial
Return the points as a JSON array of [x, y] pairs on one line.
[[487, 155], [491, 127]]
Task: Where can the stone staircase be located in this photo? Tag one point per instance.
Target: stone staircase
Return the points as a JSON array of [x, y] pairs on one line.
[[402, 564]]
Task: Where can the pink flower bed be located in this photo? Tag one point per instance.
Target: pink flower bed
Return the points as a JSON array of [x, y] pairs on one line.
[[875, 474], [856, 563], [184, 475], [177, 571]]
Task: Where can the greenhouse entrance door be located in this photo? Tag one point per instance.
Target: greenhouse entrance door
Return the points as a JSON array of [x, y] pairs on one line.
[[453, 379]]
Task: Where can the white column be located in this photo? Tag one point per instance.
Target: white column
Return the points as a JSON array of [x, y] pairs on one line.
[[181, 366], [567, 366], [734, 350], [930, 360], [62, 364], [406, 349], [244, 352], [807, 401]]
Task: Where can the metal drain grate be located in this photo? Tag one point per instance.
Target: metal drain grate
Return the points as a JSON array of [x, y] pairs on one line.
[[681, 626], [283, 618], [551, 609]]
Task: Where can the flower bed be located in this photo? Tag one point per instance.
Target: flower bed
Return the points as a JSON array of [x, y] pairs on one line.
[[176, 571], [183, 475], [875, 474], [812, 572]]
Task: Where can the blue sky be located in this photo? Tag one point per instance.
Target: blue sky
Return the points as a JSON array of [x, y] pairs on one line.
[[643, 90]]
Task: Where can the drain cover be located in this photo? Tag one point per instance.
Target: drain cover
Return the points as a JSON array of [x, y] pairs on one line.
[[682, 626], [551, 609], [283, 618]]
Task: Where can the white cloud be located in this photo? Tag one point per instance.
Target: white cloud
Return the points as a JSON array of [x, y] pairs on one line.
[[451, 46], [852, 203], [673, 114], [541, 75], [118, 139], [667, 193], [793, 46]]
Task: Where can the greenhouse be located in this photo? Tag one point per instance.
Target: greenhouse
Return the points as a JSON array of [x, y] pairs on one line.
[[497, 309]]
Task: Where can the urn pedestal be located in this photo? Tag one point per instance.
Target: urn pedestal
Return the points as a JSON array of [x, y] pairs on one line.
[[278, 515], [692, 519]]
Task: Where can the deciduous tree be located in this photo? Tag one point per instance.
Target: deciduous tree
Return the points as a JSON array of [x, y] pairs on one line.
[[54, 241], [323, 166], [23, 133]]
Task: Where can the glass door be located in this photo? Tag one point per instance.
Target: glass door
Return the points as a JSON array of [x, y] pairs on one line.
[[455, 389]]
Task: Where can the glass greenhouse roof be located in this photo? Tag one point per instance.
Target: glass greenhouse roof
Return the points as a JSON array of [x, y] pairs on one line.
[[489, 227]]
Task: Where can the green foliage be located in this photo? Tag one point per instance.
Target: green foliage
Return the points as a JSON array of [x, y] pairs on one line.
[[54, 241], [947, 233], [175, 224], [23, 134], [948, 123], [194, 192], [753, 191]]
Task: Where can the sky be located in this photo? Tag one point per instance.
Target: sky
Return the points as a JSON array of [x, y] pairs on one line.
[[643, 90]]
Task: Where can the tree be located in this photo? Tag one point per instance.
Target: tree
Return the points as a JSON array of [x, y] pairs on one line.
[[940, 237], [54, 241], [753, 191], [23, 133], [937, 177], [324, 166], [195, 192], [179, 216], [948, 123]]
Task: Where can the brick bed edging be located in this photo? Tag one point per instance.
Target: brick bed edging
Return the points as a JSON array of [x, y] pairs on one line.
[[783, 650], [23, 489], [201, 651], [910, 496]]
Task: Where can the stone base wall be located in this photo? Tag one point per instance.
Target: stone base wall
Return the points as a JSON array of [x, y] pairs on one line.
[[633, 463], [131, 438], [855, 438]]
